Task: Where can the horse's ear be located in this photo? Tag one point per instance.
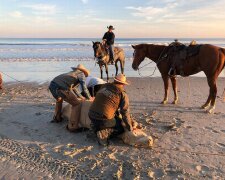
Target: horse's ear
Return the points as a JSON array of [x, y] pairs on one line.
[[93, 42], [133, 46]]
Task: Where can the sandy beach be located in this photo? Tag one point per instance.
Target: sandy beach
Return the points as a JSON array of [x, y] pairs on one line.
[[189, 143]]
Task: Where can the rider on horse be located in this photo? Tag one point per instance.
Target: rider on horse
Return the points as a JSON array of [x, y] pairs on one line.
[[108, 39]]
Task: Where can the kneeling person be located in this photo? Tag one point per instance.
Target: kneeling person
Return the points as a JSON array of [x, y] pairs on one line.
[[103, 112]]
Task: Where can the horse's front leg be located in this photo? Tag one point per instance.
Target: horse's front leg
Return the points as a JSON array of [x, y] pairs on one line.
[[107, 72], [116, 65], [213, 92], [174, 84], [101, 71], [166, 87]]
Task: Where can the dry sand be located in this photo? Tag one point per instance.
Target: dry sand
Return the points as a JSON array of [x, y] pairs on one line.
[[189, 143]]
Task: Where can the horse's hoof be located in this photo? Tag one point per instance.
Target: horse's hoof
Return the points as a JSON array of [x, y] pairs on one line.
[[175, 102], [211, 110], [205, 106], [164, 102]]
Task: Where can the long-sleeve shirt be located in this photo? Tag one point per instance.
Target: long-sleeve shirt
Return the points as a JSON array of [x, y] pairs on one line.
[[125, 111], [72, 80], [109, 36]]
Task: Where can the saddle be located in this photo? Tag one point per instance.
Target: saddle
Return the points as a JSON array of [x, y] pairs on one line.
[[178, 54]]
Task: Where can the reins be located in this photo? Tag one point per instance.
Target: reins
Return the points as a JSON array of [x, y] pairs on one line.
[[157, 62]]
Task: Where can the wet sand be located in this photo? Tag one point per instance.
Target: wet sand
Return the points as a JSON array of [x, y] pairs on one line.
[[189, 143]]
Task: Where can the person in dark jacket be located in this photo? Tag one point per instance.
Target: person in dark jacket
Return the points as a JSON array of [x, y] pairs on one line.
[[104, 113], [109, 38], [66, 87]]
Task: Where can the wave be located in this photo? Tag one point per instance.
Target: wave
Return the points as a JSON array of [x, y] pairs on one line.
[[44, 44], [52, 59]]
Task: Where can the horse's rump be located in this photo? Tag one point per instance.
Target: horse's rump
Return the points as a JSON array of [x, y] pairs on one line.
[[117, 50]]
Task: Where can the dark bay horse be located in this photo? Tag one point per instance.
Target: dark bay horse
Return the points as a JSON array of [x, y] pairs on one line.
[[210, 59], [100, 52]]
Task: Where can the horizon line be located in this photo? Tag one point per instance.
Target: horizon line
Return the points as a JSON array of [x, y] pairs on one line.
[[116, 38]]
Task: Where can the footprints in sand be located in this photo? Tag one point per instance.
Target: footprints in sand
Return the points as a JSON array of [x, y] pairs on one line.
[[202, 169], [221, 145], [223, 131], [211, 129]]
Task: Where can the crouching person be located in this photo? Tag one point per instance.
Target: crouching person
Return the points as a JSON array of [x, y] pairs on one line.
[[94, 84], [103, 112], [65, 87]]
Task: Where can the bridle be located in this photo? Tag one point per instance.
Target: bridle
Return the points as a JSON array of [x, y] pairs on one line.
[[160, 59], [101, 56]]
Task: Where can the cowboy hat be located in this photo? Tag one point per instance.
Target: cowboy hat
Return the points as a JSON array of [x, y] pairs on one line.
[[120, 78], [111, 27], [82, 68]]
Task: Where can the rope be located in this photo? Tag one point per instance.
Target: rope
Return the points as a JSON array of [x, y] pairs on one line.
[[148, 75], [11, 77], [157, 62]]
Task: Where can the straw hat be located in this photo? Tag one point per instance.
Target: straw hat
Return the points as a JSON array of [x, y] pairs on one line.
[[120, 78], [82, 68]]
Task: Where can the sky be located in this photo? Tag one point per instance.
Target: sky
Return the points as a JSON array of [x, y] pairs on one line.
[[131, 18]]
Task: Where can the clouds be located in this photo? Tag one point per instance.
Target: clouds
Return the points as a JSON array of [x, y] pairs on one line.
[[41, 9], [84, 1], [16, 14], [177, 11], [144, 18]]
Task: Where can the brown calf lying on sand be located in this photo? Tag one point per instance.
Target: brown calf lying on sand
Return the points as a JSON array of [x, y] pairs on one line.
[[136, 137], [1, 81]]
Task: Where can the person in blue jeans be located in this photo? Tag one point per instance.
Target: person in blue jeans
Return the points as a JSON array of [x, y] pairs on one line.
[[109, 38], [66, 87]]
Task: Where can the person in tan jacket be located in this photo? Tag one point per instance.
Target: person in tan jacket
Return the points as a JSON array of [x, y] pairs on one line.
[[110, 101]]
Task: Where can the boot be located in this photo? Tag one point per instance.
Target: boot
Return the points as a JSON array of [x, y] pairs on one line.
[[58, 112], [73, 123], [103, 136]]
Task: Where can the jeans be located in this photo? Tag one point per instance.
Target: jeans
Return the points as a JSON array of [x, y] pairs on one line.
[[111, 53], [53, 87], [115, 124]]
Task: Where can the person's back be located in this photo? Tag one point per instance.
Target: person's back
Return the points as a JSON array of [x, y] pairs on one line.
[[104, 113], [107, 101], [66, 79]]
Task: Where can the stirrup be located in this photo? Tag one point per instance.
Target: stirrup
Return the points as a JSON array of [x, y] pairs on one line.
[[112, 61], [170, 72]]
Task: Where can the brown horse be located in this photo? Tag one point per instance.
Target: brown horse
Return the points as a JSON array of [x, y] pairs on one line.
[[100, 52], [210, 59]]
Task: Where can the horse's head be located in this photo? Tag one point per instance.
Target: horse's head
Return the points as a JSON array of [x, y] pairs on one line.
[[139, 55], [99, 51]]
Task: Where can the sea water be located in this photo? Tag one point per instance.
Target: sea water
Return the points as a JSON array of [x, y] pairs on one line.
[[41, 59]]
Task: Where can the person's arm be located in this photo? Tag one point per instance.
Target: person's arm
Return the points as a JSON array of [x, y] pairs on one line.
[[81, 78], [124, 110], [77, 92], [104, 37]]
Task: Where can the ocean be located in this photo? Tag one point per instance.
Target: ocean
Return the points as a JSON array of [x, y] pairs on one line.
[[41, 59]]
